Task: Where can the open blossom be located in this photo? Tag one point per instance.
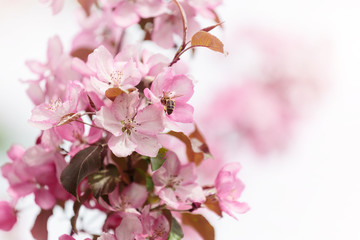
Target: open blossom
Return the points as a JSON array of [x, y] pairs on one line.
[[107, 72], [48, 115], [97, 29], [148, 225], [132, 129], [175, 183], [178, 88], [229, 189], [35, 170], [7, 216], [56, 73], [131, 197]]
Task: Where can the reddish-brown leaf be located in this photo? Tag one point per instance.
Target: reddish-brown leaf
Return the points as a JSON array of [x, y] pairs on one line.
[[208, 29], [68, 118], [213, 204], [91, 102], [84, 163], [104, 181], [200, 144], [205, 39], [112, 93], [76, 209], [82, 53], [39, 230], [193, 156], [216, 17], [121, 164], [86, 5], [200, 224]]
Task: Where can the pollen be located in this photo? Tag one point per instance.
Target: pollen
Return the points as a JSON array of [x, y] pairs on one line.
[[116, 77], [128, 126], [54, 104]]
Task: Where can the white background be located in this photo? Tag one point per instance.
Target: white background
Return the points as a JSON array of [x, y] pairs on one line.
[[310, 191]]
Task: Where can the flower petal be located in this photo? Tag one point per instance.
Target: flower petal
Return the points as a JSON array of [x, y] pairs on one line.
[[136, 194], [149, 120], [106, 119], [125, 15], [145, 144], [101, 61], [121, 146], [183, 112]]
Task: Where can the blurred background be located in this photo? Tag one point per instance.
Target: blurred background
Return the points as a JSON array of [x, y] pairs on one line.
[[289, 91]]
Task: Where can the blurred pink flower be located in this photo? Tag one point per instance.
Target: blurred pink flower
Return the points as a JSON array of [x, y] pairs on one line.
[[7, 216], [56, 5], [169, 24], [126, 13], [56, 73]]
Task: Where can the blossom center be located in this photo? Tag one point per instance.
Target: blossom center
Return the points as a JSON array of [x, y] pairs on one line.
[[173, 182], [116, 77], [54, 104], [128, 125]]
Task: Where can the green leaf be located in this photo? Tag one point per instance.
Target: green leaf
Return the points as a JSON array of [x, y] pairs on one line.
[[176, 232], [149, 184], [104, 181], [84, 163], [157, 162]]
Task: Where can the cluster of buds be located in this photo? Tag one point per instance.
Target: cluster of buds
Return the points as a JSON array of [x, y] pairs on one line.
[[107, 112]]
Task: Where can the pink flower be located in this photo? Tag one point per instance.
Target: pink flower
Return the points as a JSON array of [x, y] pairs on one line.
[[170, 23], [56, 73], [35, 170], [56, 5], [96, 30], [148, 225], [131, 197], [256, 112], [175, 183], [132, 129], [178, 89], [126, 13], [48, 115], [107, 72], [155, 225], [7, 216], [129, 227], [229, 189]]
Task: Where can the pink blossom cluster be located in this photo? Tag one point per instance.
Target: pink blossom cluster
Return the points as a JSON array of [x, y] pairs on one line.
[[107, 112], [264, 102]]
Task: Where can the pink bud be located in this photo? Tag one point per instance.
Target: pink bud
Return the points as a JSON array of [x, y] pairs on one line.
[[7, 216]]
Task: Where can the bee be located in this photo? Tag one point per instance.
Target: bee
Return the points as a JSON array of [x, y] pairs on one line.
[[169, 104]]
